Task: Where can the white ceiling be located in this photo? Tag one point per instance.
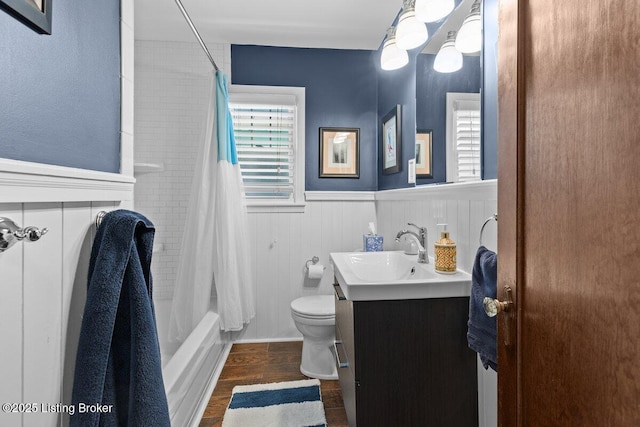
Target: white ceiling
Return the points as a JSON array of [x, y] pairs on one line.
[[336, 24]]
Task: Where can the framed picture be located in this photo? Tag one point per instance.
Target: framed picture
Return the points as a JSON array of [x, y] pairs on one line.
[[36, 14], [339, 152], [392, 142], [424, 165]]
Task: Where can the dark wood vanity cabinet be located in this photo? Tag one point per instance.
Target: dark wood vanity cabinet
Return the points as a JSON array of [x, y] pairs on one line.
[[406, 362]]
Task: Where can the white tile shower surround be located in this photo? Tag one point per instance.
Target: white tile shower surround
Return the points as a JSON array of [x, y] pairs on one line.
[[171, 96]]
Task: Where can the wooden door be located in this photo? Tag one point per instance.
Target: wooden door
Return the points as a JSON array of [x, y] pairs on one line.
[[569, 212]]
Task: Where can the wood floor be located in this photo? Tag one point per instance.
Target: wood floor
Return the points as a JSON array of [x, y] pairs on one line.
[[267, 363]]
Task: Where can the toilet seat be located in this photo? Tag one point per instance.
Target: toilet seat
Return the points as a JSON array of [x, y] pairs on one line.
[[318, 307]]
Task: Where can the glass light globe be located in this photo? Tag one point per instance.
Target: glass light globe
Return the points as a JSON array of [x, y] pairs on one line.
[[469, 39], [433, 10], [392, 56], [448, 59], [410, 32]]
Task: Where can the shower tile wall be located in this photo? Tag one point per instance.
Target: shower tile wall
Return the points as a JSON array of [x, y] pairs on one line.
[[171, 96]]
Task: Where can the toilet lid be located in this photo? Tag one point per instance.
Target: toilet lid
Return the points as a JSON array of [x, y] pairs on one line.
[[315, 305]]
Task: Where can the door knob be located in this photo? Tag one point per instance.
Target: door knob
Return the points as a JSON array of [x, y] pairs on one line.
[[493, 306]]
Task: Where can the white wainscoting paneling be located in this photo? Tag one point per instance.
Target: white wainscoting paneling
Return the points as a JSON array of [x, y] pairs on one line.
[[463, 207], [77, 239], [42, 315], [281, 245], [11, 322], [44, 291]]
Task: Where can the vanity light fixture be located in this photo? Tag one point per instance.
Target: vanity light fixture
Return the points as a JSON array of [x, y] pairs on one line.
[[469, 39], [410, 32], [392, 56], [448, 59], [433, 10]]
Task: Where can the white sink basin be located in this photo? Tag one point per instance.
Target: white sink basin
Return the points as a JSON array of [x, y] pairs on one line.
[[379, 267], [393, 275]]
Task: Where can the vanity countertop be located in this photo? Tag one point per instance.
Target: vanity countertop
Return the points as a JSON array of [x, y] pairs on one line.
[[394, 275]]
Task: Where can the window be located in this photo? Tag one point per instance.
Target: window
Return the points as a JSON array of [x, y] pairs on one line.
[[268, 127], [463, 137]]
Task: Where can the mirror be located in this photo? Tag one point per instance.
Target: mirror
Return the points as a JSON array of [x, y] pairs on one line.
[[478, 74], [432, 88]]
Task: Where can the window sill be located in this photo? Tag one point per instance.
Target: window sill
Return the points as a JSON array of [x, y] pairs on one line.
[[275, 208]]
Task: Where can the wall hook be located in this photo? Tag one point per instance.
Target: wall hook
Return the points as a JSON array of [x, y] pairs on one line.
[[10, 233], [99, 218]]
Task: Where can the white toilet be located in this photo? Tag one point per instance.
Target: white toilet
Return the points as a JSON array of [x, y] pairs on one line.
[[315, 318]]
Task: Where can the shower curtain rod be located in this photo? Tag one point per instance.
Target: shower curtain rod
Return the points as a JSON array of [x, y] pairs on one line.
[[195, 32]]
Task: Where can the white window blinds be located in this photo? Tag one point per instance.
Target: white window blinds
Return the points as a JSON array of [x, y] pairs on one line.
[[463, 137], [265, 140], [467, 140]]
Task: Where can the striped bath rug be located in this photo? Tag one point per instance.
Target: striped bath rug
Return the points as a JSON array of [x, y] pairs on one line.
[[285, 404]]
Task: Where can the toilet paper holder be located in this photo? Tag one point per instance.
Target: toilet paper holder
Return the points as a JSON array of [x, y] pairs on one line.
[[313, 261]]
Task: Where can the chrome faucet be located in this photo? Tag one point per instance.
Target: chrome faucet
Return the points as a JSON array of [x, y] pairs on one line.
[[423, 256]]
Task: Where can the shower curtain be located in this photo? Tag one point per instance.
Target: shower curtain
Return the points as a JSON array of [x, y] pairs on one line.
[[215, 248]]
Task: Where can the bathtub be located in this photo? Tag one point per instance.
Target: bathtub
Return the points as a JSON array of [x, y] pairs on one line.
[[190, 370]]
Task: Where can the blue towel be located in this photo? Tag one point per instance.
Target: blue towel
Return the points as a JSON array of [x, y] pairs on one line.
[[482, 335], [118, 361]]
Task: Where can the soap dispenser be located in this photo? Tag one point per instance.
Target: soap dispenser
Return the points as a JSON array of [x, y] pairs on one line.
[[445, 252]]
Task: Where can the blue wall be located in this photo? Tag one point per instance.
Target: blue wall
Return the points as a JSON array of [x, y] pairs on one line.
[[490, 90], [60, 93], [431, 93], [341, 91]]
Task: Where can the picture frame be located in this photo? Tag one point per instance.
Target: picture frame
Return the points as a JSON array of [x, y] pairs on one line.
[[424, 153], [391, 142], [339, 152], [36, 14]]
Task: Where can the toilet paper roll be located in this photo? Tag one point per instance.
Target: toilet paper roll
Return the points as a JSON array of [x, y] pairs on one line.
[[316, 271]]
